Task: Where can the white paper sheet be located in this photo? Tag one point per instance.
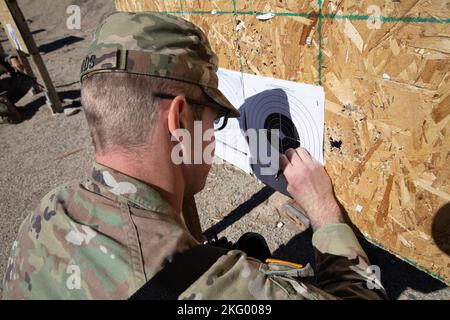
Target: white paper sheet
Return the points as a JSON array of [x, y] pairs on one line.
[[13, 36], [266, 103]]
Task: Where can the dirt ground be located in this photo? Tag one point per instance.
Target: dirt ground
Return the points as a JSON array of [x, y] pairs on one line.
[[47, 150]]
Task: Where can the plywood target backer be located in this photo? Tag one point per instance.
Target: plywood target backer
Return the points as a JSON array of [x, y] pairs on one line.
[[387, 114]]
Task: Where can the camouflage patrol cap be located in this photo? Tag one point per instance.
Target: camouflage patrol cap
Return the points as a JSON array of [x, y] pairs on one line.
[[158, 45]]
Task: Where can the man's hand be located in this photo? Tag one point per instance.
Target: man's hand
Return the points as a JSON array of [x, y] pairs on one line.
[[310, 185], [15, 63]]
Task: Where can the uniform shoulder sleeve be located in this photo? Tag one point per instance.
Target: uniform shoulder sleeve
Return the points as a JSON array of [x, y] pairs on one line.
[[342, 267], [236, 276], [29, 250], [55, 256]]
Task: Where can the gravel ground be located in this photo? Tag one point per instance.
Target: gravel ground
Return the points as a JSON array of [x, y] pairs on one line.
[[47, 150]]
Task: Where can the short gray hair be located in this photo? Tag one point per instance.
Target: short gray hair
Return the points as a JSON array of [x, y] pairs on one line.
[[120, 108]]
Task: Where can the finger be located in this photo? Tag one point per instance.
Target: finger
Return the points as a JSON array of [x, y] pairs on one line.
[[295, 162], [304, 155], [295, 157], [284, 162], [291, 155], [291, 172]]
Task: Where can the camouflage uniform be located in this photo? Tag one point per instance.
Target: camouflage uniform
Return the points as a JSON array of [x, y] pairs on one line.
[[102, 239], [106, 237], [13, 86]]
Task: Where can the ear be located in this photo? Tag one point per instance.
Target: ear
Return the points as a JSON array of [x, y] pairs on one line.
[[176, 117]]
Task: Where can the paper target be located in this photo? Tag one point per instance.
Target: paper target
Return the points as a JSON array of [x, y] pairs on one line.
[[284, 114], [230, 144]]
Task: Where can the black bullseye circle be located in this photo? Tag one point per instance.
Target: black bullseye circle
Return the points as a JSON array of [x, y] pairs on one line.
[[288, 135]]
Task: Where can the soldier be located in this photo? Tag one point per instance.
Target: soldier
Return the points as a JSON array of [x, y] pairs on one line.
[[146, 76], [14, 84]]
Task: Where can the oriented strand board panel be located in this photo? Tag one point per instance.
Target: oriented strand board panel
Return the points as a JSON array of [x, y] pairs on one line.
[[384, 66]]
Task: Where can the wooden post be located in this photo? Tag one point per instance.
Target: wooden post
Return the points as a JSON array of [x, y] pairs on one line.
[[28, 69], [13, 20]]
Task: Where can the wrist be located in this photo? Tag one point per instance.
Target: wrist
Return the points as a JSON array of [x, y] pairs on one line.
[[323, 223], [329, 214]]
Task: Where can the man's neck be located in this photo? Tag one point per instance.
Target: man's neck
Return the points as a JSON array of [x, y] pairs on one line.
[[156, 172]]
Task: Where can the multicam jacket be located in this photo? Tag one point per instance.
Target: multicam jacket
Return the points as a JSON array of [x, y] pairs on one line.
[[106, 237]]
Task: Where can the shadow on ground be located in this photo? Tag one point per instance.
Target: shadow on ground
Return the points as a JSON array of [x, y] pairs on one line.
[[58, 44], [258, 198], [396, 275], [29, 110]]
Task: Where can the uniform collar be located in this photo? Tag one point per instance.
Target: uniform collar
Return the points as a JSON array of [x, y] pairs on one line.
[[120, 187]]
